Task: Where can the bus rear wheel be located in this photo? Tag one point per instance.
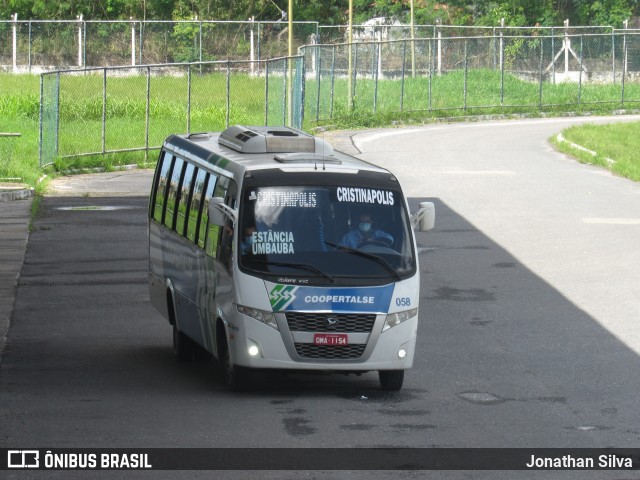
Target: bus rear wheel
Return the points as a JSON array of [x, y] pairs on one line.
[[182, 345], [391, 380]]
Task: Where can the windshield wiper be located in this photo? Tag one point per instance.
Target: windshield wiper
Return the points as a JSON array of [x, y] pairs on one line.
[[302, 266], [370, 256]]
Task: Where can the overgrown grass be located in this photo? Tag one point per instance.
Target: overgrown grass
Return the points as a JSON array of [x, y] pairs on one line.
[[619, 142], [391, 101]]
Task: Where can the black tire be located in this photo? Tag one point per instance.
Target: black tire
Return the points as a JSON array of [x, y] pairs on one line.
[[236, 377], [391, 380], [182, 345]]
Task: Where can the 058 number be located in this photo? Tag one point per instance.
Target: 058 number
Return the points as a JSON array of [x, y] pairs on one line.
[[403, 302]]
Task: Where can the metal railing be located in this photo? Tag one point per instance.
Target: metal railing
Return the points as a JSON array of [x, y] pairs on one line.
[[117, 109], [45, 45], [126, 109], [464, 73]]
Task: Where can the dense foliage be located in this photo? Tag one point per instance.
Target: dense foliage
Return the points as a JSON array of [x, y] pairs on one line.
[[333, 12]]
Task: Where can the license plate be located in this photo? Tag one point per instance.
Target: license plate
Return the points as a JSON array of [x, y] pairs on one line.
[[331, 339]]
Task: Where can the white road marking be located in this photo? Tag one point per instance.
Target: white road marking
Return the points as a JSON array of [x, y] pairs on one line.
[[612, 221]]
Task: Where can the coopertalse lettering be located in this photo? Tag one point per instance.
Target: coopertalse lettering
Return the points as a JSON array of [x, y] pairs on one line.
[[338, 299]]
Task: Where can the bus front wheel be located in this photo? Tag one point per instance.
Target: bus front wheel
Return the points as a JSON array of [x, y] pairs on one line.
[[391, 380], [235, 377]]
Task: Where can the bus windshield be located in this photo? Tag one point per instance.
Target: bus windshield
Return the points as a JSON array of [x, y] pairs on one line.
[[325, 235]]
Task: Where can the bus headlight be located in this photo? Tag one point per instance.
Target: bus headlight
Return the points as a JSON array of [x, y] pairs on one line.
[[268, 318], [394, 319]]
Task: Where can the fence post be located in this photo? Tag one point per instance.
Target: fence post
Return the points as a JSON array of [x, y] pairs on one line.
[[375, 69], [104, 109], [379, 47], [404, 59], [228, 93], [189, 99], [57, 113], [355, 75], [252, 53], [501, 72], [613, 55], [318, 77], [314, 56], [333, 78], [40, 118], [501, 43], [133, 42], [301, 74], [439, 41], [431, 61], [567, 46], [14, 19], [466, 68], [285, 89], [624, 62], [259, 40], [200, 40], [80, 23], [541, 73], [141, 28], [413, 45], [29, 48], [625, 25], [350, 89], [553, 52], [581, 65], [266, 93], [147, 116]]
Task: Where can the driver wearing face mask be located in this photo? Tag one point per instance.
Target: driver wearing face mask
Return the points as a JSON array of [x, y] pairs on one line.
[[247, 240], [365, 233]]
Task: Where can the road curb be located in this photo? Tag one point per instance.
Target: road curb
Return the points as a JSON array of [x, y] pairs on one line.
[[16, 195], [15, 217], [561, 139]]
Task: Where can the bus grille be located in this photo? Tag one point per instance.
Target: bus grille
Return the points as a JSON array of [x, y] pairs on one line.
[[319, 322], [328, 352]]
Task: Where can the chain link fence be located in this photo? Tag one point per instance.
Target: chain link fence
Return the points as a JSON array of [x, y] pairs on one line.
[[116, 109], [124, 109], [332, 34], [45, 45], [488, 72]]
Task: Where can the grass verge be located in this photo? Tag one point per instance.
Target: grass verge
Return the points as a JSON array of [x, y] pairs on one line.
[[455, 95], [619, 142]]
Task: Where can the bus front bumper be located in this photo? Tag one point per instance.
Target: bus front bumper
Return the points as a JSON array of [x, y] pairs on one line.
[[263, 347]]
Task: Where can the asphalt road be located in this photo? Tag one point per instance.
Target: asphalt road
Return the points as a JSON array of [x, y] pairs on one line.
[[528, 338]]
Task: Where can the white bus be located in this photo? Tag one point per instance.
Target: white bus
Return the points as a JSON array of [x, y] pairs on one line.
[[270, 250]]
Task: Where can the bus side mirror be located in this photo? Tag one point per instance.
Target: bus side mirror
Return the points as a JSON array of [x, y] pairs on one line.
[[425, 218], [219, 212]]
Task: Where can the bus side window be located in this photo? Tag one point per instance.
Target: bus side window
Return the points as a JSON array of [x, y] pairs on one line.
[[225, 251], [159, 203], [173, 196], [183, 205], [199, 185], [213, 231], [204, 217]]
